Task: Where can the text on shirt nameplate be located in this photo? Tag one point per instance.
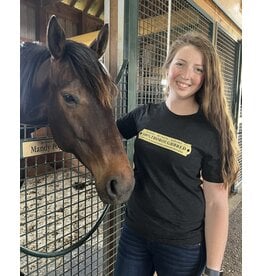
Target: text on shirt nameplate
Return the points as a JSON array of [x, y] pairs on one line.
[[166, 142]]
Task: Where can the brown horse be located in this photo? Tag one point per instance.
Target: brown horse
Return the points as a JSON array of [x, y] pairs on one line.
[[65, 86]]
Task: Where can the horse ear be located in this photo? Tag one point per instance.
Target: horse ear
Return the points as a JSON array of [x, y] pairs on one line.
[[55, 38], [100, 43]]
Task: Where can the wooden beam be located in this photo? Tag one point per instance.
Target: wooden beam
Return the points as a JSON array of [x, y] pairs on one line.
[[113, 33], [100, 9], [72, 3], [84, 18], [65, 11], [88, 5], [45, 3], [159, 23]]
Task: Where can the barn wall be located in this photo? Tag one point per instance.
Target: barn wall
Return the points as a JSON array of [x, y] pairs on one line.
[[34, 19]]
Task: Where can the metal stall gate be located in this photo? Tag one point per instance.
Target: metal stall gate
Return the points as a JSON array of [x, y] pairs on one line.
[[230, 54], [58, 206], [160, 22]]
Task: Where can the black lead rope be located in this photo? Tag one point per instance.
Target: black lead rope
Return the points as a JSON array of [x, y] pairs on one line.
[[63, 252]]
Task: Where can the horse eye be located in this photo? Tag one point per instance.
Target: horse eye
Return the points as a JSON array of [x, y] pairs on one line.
[[70, 99]]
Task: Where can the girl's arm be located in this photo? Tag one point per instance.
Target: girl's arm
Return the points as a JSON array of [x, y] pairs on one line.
[[216, 223]]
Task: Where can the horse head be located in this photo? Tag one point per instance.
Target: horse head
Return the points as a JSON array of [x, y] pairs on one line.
[[76, 101]]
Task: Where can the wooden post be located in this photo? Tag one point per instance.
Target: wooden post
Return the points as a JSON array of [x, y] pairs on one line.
[[111, 15]]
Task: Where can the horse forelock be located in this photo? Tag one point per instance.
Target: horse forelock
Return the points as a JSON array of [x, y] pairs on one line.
[[91, 72]]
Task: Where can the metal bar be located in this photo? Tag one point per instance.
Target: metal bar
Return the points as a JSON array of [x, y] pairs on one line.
[[132, 19], [131, 27], [112, 56], [169, 24], [238, 87], [214, 34]]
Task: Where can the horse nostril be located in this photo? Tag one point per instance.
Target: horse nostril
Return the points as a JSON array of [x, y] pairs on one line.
[[113, 186], [119, 189]]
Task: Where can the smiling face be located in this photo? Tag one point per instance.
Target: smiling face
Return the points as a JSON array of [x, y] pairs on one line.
[[185, 74]]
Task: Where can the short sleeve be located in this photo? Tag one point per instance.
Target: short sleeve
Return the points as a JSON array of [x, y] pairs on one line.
[[127, 125], [212, 164]]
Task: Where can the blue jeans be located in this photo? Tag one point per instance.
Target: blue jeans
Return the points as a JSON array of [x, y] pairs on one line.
[[140, 257]]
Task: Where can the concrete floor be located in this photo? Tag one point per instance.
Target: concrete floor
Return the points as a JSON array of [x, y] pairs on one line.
[[232, 263]]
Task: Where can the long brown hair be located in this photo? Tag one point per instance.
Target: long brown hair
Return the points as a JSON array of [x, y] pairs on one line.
[[212, 100]]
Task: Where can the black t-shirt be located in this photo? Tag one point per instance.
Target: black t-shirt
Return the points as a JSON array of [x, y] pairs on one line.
[[171, 152]]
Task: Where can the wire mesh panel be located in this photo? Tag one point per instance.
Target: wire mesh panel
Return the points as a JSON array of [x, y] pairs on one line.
[[152, 32], [185, 17], [113, 221], [228, 51], [58, 206], [153, 40], [121, 104]]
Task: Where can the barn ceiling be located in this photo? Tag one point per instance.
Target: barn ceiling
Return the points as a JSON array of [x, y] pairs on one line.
[[91, 7]]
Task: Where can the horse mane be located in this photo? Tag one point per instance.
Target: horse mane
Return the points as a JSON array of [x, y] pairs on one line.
[[84, 62], [32, 55]]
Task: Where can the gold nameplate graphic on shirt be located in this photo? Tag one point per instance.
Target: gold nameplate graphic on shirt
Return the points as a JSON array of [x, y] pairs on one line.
[[164, 141]]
